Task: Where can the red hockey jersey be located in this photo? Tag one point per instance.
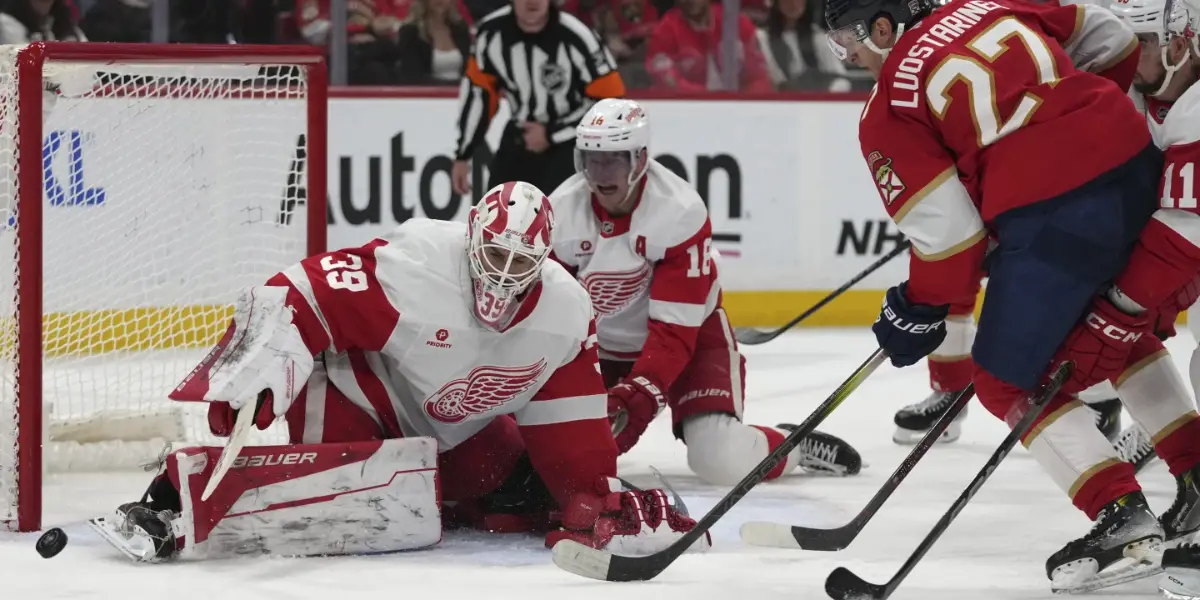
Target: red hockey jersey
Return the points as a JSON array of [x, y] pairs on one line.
[[985, 106]]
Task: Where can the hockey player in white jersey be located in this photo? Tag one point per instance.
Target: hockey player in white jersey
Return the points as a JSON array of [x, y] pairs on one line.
[[445, 372], [638, 238]]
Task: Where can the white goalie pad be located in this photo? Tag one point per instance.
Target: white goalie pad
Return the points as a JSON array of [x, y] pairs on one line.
[[310, 499]]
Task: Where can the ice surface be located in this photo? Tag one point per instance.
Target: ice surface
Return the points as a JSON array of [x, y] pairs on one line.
[[995, 550]]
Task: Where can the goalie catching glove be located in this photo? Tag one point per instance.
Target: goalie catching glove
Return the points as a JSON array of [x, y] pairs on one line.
[[627, 522]]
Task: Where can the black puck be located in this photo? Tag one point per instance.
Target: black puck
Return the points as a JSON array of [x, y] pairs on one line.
[[52, 542]]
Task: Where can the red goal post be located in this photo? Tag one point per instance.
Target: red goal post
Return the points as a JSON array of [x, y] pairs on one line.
[[141, 186]]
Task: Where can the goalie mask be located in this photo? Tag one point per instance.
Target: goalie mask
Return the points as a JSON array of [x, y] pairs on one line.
[[612, 151], [508, 240]]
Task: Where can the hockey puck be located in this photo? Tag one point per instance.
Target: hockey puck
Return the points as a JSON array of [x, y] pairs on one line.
[[52, 542]]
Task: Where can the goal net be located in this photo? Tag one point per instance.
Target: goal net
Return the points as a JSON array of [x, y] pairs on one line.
[[141, 187]]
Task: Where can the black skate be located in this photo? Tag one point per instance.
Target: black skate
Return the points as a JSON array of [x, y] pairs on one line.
[[915, 420], [1108, 418], [1125, 544], [1135, 446], [142, 530], [1181, 579], [825, 453], [1182, 520]]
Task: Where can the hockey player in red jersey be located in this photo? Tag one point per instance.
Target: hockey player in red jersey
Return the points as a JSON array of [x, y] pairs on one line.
[[447, 370], [638, 238], [962, 136]]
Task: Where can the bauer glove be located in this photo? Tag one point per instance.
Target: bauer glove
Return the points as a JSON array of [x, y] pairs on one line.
[[909, 332], [632, 405]]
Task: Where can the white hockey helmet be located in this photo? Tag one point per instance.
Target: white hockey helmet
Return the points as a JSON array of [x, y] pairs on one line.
[[508, 235], [615, 125], [1177, 18]]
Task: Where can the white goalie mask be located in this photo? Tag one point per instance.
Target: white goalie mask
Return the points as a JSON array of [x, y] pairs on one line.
[[508, 235], [1147, 17], [612, 146], [1180, 18]]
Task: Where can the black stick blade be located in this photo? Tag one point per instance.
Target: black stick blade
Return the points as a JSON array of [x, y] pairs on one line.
[[844, 585], [600, 565]]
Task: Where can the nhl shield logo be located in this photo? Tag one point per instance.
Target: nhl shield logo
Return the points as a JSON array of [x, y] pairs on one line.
[[886, 180]]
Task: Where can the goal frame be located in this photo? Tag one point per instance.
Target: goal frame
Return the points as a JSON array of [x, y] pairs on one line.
[[30, 203]]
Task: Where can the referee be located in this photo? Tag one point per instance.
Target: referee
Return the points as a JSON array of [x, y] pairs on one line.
[[550, 67]]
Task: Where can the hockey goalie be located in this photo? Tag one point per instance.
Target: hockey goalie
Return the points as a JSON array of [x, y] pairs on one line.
[[443, 376]]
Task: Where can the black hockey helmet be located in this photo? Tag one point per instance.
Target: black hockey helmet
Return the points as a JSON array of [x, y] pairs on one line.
[[850, 21]]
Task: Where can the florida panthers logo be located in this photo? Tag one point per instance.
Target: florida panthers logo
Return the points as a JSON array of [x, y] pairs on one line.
[[483, 389], [612, 293]]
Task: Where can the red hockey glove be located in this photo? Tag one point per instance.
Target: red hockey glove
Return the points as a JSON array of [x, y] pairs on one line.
[[629, 523], [221, 416], [1100, 344], [640, 400]]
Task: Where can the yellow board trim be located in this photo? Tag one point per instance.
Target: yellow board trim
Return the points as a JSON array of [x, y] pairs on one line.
[[775, 308]]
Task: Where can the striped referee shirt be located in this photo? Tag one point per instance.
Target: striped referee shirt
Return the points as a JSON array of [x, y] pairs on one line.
[[550, 77]]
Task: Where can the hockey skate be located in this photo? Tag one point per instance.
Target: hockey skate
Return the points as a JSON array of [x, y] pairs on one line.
[[139, 532], [1181, 577], [1108, 418], [1182, 520], [1135, 446], [915, 420], [825, 453], [1125, 544]]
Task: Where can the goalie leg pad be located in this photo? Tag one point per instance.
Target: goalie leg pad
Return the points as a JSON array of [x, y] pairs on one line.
[[309, 499]]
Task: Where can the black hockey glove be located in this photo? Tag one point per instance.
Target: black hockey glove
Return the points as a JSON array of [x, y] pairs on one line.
[[909, 332]]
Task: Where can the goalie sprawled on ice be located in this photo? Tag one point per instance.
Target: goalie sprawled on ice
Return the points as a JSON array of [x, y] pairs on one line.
[[447, 372]]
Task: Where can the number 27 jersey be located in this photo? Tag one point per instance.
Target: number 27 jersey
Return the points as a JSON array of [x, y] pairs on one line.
[[986, 106]]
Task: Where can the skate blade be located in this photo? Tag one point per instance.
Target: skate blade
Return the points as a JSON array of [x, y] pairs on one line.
[[1143, 558], [1172, 586], [910, 437], [126, 544]]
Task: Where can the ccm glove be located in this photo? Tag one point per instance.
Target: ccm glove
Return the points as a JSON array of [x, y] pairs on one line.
[[1099, 344], [632, 405], [909, 332]]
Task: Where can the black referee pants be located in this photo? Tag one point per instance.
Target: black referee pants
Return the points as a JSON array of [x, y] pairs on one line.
[[546, 170]]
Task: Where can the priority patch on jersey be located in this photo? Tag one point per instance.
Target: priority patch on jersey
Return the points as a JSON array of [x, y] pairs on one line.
[[886, 180]]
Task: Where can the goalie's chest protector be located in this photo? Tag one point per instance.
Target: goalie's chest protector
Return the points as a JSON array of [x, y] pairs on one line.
[[614, 259], [448, 375]]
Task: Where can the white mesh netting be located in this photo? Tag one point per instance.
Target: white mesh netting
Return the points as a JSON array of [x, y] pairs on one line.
[[167, 188]]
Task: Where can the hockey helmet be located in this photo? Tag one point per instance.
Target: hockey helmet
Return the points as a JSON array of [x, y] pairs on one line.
[[614, 125], [508, 234], [849, 21]]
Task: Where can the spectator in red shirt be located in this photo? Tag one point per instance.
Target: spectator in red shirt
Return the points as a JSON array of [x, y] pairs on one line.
[[626, 24], [684, 52]]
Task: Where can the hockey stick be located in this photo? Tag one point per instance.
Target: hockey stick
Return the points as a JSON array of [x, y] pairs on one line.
[[842, 584], [778, 535], [586, 561], [752, 337], [237, 440]]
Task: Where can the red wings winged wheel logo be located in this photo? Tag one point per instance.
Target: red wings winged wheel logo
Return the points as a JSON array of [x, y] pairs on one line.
[[483, 389], [612, 293]]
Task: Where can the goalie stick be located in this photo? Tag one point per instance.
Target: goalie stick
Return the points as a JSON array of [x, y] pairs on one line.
[[779, 535], [842, 584], [752, 337], [237, 440], [586, 561]]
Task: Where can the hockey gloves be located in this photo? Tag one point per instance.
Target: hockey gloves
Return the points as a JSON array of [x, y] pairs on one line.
[[1163, 319], [909, 332], [640, 400], [1100, 344], [629, 523]]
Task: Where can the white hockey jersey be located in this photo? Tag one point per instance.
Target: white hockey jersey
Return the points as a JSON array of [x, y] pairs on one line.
[[401, 305], [650, 274]]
